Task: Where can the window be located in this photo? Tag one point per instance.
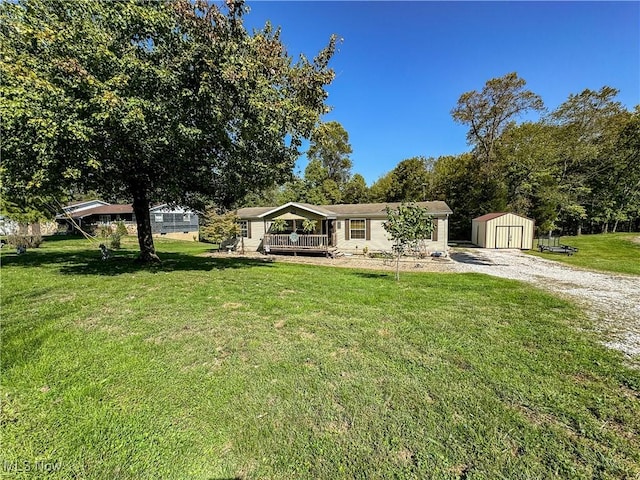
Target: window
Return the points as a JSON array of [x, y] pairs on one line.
[[158, 217], [105, 218], [186, 217], [244, 228], [358, 229]]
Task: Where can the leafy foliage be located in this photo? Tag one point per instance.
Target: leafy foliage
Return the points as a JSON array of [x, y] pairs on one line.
[[24, 241], [576, 170], [406, 226], [216, 228], [355, 190], [121, 229], [487, 113], [160, 101], [278, 225], [330, 145], [309, 225], [409, 181]]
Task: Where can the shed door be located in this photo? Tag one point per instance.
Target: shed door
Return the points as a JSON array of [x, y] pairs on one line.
[[509, 236]]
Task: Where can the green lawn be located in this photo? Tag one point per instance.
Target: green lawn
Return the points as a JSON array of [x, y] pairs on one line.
[[207, 368], [610, 252]]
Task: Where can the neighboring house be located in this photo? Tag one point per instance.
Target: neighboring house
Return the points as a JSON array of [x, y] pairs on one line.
[[165, 221], [347, 228], [86, 216], [175, 222], [503, 230]]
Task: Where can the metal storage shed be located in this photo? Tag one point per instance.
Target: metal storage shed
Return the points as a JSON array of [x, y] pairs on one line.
[[502, 230]]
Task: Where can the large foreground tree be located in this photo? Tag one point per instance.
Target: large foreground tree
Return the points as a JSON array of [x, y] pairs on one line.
[[160, 101]]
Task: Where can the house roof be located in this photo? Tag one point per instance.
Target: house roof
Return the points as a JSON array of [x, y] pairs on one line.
[[167, 207], [490, 216], [373, 209], [83, 205], [101, 210], [363, 209], [84, 209]]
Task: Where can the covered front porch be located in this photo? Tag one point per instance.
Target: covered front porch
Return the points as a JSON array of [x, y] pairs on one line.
[[297, 243], [296, 228]]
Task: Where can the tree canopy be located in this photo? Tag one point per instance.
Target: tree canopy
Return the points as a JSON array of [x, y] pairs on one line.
[[487, 113], [156, 102], [330, 145], [406, 226]]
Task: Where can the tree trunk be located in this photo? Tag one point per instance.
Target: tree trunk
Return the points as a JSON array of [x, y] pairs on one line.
[[398, 266], [615, 226], [143, 222]]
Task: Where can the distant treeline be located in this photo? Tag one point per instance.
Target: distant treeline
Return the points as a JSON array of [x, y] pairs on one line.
[[576, 170]]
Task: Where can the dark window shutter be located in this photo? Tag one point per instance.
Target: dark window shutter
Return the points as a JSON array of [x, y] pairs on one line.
[[434, 233], [248, 228], [368, 229], [346, 229]]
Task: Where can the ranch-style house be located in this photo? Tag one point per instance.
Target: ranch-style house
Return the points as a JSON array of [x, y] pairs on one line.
[[349, 228], [172, 222]]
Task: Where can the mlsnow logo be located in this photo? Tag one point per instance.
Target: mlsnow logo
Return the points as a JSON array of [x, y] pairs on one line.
[[21, 466]]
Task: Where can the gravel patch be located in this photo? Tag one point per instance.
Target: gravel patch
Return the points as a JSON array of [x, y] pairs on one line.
[[611, 300]]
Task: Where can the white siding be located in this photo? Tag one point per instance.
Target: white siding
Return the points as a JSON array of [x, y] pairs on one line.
[[257, 232], [380, 241]]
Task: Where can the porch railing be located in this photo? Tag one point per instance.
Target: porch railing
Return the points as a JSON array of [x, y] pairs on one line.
[[303, 242]]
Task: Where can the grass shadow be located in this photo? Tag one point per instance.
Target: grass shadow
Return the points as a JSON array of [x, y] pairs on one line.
[[89, 262], [371, 275]]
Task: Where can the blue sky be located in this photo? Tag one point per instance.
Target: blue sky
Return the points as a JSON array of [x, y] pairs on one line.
[[402, 66]]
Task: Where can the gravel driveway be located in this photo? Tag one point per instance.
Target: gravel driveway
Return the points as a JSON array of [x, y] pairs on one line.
[[612, 300]]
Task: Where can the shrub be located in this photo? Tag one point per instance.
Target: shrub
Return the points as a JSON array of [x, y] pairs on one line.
[[218, 228], [114, 240], [24, 241], [121, 229], [104, 231]]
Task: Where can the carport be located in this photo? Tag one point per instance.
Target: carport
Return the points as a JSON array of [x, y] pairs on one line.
[[502, 230]]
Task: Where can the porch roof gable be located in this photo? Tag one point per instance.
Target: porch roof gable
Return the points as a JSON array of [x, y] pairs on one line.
[[320, 211]]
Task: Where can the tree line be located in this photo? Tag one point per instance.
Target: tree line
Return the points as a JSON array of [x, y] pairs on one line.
[[575, 170]]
